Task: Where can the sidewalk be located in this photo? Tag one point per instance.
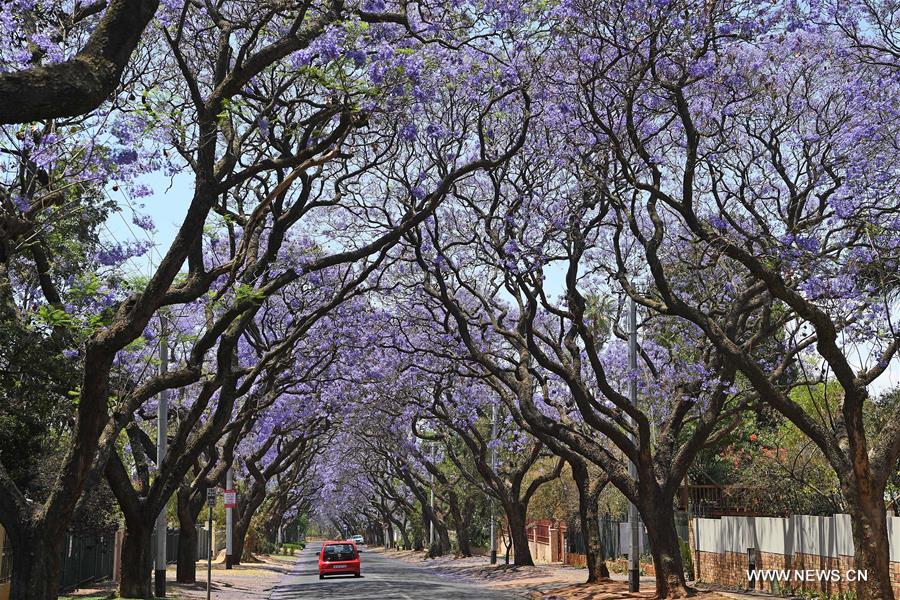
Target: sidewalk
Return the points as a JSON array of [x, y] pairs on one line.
[[251, 581], [547, 582]]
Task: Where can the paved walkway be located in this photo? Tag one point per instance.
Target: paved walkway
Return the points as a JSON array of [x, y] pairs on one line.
[[253, 581]]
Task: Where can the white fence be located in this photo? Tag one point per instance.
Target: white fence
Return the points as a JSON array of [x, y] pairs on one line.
[[799, 534]]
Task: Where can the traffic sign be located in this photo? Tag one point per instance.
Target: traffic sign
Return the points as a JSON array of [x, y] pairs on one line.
[[212, 494], [230, 498]]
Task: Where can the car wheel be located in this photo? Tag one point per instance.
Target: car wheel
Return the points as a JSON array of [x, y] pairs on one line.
[[357, 575], [321, 577]]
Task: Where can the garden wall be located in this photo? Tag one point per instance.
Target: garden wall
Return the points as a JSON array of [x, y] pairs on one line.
[[722, 549]]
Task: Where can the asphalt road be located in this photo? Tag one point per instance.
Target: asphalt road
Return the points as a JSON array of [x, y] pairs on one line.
[[382, 578]]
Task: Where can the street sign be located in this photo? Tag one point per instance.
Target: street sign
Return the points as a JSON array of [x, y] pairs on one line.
[[230, 498], [212, 494]]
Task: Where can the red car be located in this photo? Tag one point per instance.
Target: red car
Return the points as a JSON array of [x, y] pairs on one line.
[[339, 558]]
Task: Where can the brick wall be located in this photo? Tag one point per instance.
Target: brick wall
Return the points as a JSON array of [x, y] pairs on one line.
[[730, 568], [573, 559]]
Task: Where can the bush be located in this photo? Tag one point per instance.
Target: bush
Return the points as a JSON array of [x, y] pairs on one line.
[[687, 561], [290, 548]]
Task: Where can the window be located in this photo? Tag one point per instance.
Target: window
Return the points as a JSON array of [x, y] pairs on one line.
[[336, 552]]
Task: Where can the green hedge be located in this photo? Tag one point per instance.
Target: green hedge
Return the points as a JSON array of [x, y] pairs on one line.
[[290, 548]]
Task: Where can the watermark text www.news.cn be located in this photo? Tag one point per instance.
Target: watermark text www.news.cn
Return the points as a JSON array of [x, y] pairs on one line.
[[807, 575]]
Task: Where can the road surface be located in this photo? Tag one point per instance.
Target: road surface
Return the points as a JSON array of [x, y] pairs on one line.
[[382, 578]]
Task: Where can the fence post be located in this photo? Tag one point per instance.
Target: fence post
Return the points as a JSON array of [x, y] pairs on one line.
[[117, 556]]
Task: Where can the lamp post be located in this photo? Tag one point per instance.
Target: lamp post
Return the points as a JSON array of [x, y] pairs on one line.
[[431, 501], [494, 418], [229, 521], [162, 422], [634, 569]]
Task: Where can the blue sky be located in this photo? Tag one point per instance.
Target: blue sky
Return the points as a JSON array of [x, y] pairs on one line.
[[166, 206]]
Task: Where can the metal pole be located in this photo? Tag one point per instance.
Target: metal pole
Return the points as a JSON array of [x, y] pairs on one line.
[[162, 425], [431, 523], [634, 569], [693, 510], [209, 554], [229, 521], [494, 418]]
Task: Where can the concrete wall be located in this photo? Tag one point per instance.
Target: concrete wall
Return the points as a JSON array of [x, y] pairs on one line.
[[540, 553], [799, 534], [625, 539]]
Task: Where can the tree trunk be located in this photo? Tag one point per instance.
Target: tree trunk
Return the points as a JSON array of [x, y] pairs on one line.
[[868, 518], [238, 539], [255, 498], [589, 512], [659, 517], [389, 542], [515, 517], [36, 566], [186, 567], [463, 538], [137, 562], [404, 537], [441, 545], [461, 524]]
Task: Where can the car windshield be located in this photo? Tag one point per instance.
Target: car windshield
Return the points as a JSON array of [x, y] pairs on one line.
[[339, 552]]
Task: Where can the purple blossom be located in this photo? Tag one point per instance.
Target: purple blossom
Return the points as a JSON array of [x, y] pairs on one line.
[[408, 132], [125, 156], [145, 222]]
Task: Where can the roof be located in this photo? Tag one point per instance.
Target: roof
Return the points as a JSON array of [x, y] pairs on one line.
[[338, 542]]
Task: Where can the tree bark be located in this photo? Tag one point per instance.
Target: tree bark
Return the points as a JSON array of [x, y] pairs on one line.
[[868, 517], [516, 519], [463, 538], [137, 562], [461, 523], [36, 566], [186, 566], [404, 537], [589, 512], [188, 511], [441, 545], [84, 82], [239, 533], [659, 517], [389, 542]]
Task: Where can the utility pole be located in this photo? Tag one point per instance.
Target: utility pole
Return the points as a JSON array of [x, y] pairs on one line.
[[210, 505], [229, 521], [162, 426], [494, 418], [634, 568], [431, 524]]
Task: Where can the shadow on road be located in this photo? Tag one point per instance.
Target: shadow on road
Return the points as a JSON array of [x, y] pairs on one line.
[[359, 589]]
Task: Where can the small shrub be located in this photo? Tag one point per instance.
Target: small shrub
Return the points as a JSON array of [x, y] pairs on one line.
[[687, 561]]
